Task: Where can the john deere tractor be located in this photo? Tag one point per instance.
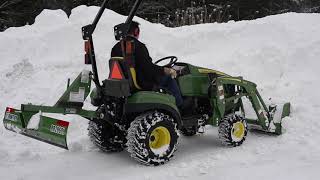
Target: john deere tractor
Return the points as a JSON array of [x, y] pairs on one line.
[[147, 123]]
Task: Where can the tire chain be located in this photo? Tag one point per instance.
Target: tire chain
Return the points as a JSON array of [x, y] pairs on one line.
[[225, 128], [137, 137]]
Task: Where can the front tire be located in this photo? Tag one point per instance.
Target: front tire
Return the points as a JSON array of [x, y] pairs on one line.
[[152, 138], [233, 130]]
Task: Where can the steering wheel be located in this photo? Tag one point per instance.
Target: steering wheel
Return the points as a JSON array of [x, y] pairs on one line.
[[173, 60]]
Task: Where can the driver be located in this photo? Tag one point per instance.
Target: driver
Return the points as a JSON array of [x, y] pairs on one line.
[[149, 75]]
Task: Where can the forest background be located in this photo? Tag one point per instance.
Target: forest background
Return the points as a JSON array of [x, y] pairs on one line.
[[171, 13]]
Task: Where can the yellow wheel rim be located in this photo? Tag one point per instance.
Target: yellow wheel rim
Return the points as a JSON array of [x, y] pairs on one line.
[[238, 131], [159, 137]]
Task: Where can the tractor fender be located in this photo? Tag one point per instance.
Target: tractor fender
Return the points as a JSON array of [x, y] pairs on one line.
[[143, 101]]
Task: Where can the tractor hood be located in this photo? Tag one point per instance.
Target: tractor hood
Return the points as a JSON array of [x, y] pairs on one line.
[[196, 70]]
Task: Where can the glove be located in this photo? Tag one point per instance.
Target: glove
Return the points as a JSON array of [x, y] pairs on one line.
[[171, 72]]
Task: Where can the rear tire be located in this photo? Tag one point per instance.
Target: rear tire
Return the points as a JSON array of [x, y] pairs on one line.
[[106, 137], [233, 130], [152, 138]]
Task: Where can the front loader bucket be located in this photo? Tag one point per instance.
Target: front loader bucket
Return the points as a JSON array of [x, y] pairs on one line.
[[278, 112], [271, 121], [34, 125]]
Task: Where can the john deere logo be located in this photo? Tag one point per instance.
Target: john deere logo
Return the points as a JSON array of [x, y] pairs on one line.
[[57, 129]]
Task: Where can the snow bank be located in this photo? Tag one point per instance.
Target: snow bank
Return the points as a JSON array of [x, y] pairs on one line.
[[280, 53]]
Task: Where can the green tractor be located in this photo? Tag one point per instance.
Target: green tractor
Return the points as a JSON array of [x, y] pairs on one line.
[[147, 123]]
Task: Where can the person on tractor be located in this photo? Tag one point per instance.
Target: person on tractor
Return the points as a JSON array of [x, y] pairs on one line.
[[149, 75]]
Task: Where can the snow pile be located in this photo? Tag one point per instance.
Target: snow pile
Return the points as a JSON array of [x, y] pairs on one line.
[[279, 53], [34, 121]]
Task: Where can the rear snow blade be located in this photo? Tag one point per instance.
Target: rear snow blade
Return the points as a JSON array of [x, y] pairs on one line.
[[34, 125]]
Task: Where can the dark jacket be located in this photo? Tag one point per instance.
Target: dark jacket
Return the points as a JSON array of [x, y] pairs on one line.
[[148, 74]]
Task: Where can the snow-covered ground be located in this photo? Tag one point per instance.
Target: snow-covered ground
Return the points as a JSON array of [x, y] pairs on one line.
[[280, 53]]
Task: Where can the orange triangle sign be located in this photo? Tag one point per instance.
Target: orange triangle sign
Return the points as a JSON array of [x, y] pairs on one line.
[[116, 71]]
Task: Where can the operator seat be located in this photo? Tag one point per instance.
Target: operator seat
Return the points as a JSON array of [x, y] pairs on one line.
[[127, 64], [128, 72]]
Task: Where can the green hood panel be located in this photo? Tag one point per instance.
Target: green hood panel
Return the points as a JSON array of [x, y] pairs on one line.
[[197, 82]]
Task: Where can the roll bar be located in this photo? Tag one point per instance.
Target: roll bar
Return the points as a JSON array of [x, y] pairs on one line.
[[121, 31]]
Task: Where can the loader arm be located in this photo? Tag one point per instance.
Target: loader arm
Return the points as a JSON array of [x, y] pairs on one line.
[[269, 119]]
